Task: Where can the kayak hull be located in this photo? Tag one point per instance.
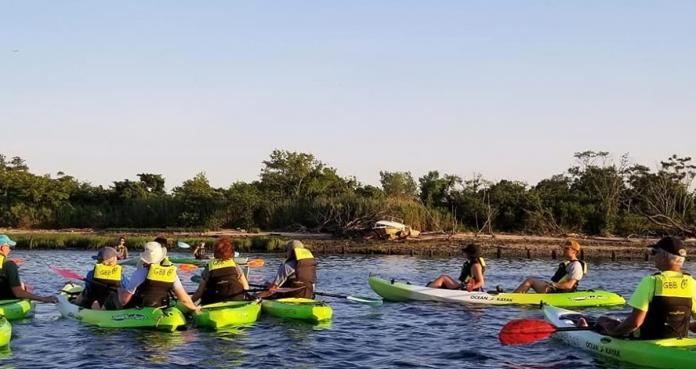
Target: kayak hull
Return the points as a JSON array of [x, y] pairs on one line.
[[665, 353], [400, 291], [298, 308], [167, 319], [16, 309], [226, 314], [5, 332]]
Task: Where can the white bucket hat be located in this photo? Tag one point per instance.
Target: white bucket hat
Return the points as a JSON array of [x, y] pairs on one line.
[[154, 253]]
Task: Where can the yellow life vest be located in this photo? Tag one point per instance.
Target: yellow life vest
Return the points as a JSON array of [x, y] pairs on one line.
[[669, 311], [301, 254], [219, 264], [107, 273], [161, 273]]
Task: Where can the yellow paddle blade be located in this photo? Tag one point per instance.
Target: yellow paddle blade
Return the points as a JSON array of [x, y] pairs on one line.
[[255, 263]]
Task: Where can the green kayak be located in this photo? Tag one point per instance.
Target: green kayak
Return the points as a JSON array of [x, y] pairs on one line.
[[226, 314], [5, 331], [392, 290], [165, 319], [298, 308], [670, 353], [16, 309]]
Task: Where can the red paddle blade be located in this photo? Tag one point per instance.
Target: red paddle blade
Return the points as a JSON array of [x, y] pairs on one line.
[[66, 273], [18, 261], [524, 331]]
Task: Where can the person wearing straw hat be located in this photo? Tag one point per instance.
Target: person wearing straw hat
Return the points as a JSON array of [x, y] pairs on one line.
[[298, 270], [151, 284], [11, 287], [567, 276]]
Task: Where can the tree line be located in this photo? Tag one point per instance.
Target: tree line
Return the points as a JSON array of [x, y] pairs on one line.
[[597, 195]]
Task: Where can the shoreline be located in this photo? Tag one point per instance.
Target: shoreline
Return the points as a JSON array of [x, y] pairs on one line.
[[431, 245]]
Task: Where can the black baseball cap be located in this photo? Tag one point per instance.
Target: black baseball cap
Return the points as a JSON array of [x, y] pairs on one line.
[[672, 245]]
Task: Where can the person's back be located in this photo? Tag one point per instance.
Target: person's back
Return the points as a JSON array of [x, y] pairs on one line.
[[669, 297], [154, 290], [223, 282], [9, 277], [305, 274], [103, 280]]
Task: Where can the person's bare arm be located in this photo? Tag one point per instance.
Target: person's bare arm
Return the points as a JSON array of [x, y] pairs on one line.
[[199, 291], [185, 299], [565, 285], [21, 293], [630, 324]]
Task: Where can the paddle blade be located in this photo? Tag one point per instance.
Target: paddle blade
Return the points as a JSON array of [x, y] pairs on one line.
[[524, 331], [255, 263], [182, 245], [18, 261], [188, 267], [365, 300], [67, 274]]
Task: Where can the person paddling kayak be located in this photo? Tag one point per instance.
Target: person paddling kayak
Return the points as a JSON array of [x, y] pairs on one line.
[[471, 276], [101, 281], [663, 303], [298, 270], [150, 284], [567, 276], [121, 249], [11, 287], [222, 279], [199, 252]]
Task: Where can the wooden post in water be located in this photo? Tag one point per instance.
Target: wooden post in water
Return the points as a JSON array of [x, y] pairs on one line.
[[647, 256], [529, 254], [498, 253], [553, 254], [613, 255], [582, 254]]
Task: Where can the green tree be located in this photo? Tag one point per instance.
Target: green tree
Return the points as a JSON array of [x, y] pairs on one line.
[[398, 184]]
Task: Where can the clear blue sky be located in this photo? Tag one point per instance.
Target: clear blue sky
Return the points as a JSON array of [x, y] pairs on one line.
[[509, 89]]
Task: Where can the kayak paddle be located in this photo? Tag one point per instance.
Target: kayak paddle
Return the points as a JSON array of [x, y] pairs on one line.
[[255, 263], [67, 274], [360, 299], [188, 267], [182, 245], [18, 261], [525, 331]]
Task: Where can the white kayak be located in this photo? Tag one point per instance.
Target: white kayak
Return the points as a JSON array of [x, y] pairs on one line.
[[392, 290]]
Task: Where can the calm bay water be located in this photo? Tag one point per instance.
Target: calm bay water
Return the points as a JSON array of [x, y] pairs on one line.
[[418, 335]]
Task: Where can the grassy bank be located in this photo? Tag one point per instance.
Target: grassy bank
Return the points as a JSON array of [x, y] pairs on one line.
[[61, 241]]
